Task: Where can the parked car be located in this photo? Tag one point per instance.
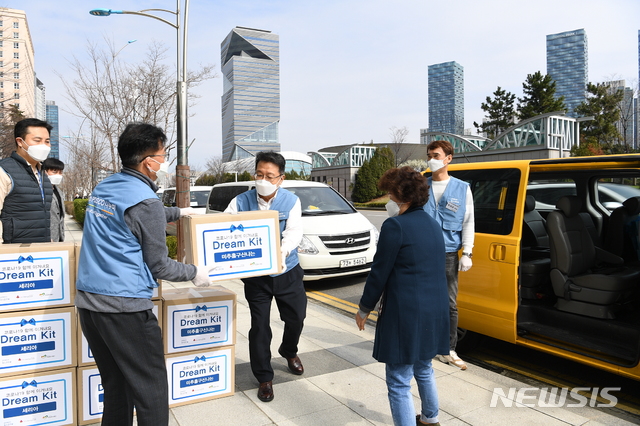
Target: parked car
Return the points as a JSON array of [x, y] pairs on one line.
[[198, 197], [337, 241]]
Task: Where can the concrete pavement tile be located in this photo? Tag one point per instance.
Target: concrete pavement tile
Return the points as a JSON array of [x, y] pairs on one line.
[[329, 336], [374, 408], [376, 368], [356, 353], [498, 416], [458, 397], [354, 383], [294, 399], [334, 416], [237, 409], [442, 368]]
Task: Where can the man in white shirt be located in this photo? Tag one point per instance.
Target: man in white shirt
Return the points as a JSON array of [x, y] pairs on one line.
[[287, 288], [451, 205]]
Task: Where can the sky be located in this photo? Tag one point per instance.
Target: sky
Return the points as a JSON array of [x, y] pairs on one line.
[[350, 70]]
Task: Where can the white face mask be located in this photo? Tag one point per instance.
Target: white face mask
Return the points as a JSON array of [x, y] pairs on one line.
[[55, 179], [435, 165], [162, 172], [393, 208], [38, 152], [265, 188]]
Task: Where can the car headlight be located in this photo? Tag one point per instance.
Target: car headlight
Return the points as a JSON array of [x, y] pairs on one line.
[[306, 246], [374, 235]]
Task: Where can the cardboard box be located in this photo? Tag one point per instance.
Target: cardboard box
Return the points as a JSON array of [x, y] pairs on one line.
[[201, 375], [85, 356], [37, 340], [46, 398], [198, 318], [235, 246], [90, 395], [37, 275]]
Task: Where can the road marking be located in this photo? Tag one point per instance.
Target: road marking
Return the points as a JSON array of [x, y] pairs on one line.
[[339, 303]]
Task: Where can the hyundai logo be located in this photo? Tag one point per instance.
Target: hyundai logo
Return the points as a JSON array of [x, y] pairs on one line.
[[350, 240]]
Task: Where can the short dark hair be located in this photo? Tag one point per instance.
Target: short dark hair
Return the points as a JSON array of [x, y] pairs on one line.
[[20, 130], [52, 164], [271, 157], [406, 184], [446, 146], [137, 141]]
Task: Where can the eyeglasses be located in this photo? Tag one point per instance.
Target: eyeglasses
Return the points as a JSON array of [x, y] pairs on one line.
[[259, 176]]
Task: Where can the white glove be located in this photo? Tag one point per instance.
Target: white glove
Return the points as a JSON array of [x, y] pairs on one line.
[[465, 263], [202, 277], [187, 211], [284, 260]]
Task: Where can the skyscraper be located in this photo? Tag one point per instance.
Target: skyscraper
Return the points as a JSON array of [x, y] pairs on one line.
[[567, 64], [250, 61], [52, 118], [446, 98], [17, 73]]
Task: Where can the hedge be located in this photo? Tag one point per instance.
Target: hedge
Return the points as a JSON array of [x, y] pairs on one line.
[[172, 245], [79, 209]]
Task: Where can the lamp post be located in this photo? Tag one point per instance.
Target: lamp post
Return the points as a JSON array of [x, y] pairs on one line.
[[183, 175]]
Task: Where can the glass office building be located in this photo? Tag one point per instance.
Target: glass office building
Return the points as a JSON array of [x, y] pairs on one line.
[[250, 61], [52, 118], [446, 98], [567, 65]]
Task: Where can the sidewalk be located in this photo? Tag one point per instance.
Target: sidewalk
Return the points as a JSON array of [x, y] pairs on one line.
[[344, 385]]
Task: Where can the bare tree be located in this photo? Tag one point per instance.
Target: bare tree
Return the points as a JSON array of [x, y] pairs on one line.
[[401, 151], [84, 163], [108, 94]]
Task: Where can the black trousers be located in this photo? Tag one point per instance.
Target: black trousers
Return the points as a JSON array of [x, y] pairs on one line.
[[291, 299], [129, 354]]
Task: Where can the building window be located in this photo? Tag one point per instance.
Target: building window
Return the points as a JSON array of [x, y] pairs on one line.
[[16, 86], [1, 24], [16, 65], [16, 96], [2, 84], [1, 95], [16, 55], [0, 43], [1, 34], [16, 75], [17, 105], [16, 35], [16, 45], [1, 76], [0, 53], [16, 25]]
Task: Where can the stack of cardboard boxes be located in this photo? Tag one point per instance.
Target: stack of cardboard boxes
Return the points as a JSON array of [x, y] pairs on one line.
[[37, 334]]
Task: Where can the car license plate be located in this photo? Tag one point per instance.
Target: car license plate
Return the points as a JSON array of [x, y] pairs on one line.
[[353, 262]]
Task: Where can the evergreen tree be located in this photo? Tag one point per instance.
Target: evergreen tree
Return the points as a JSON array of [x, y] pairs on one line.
[[602, 105], [366, 186], [539, 96], [500, 113], [11, 115]]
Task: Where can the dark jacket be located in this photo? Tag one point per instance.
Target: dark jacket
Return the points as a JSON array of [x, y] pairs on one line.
[[25, 215], [57, 216], [409, 267]]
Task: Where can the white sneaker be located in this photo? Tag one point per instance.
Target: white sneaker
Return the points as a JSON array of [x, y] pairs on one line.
[[452, 359]]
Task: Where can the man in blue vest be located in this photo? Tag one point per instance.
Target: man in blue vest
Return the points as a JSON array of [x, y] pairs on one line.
[[287, 288], [451, 205], [25, 190], [123, 253]]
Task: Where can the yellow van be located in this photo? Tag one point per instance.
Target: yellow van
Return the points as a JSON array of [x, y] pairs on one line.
[[556, 258]]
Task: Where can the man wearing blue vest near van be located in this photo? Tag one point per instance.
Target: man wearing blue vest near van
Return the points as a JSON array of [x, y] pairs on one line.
[[451, 205], [287, 288], [123, 253]]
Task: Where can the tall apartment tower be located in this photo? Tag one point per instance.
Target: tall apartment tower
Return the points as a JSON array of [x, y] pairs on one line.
[[17, 72], [250, 61], [446, 98], [52, 118], [567, 64]]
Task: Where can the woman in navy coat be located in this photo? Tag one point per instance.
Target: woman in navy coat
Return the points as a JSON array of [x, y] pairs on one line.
[[408, 274]]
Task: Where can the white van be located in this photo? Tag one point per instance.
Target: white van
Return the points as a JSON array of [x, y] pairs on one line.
[[198, 200], [337, 241]]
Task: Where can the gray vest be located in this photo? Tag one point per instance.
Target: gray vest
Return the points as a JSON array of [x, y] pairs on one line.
[[25, 215]]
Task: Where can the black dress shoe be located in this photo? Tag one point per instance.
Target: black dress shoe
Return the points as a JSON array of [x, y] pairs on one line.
[[265, 392], [295, 365]]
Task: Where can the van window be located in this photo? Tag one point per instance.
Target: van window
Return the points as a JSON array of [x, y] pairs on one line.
[[221, 196], [199, 198], [316, 201], [495, 192], [547, 192]]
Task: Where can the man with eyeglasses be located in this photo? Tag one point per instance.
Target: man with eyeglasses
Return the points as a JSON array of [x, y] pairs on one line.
[[123, 254], [287, 288]]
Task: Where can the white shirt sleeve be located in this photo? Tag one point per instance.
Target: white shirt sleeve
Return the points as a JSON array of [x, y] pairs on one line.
[[468, 224], [232, 207], [292, 235]]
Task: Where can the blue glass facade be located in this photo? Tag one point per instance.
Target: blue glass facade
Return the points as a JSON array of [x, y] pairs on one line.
[[567, 65], [446, 98], [52, 118], [251, 95]]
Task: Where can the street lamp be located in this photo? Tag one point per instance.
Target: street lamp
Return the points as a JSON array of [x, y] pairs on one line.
[[183, 175]]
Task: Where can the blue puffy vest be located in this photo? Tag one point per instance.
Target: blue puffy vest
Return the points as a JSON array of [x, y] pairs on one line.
[[283, 203], [111, 261], [449, 213]]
